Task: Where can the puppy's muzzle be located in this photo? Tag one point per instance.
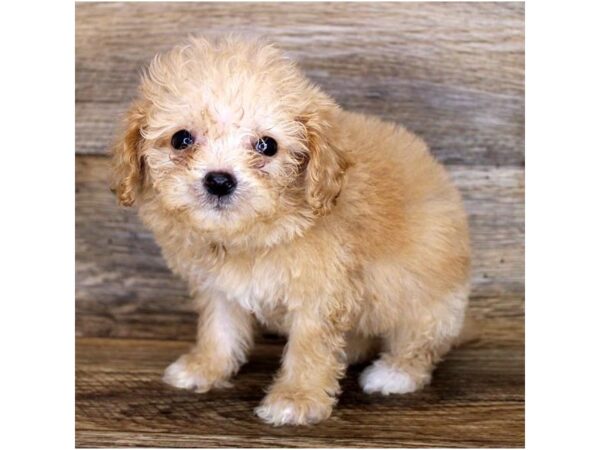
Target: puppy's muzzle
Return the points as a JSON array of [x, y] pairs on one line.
[[219, 183]]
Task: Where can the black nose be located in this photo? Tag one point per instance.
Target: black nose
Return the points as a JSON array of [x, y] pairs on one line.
[[219, 183]]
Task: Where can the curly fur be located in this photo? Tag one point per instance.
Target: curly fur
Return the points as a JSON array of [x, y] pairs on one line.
[[350, 240]]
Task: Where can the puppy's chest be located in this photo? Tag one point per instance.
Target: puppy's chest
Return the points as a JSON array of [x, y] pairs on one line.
[[259, 284]]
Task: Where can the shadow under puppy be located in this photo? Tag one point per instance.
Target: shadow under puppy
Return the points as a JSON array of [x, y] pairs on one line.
[[278, 207]]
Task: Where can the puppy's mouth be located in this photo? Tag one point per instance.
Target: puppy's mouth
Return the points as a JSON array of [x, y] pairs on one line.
[[220, 203], [215, 203]]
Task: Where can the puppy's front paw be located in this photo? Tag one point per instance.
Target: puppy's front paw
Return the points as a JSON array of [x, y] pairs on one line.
[[294, 407], [188, 373], [385, 379]]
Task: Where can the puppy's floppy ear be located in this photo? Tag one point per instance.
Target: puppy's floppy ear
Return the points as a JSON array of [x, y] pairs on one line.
[[326, 165], [127, 159]]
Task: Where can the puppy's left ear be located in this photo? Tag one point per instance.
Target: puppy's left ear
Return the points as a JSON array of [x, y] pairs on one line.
[[127, 159], [326, 164]]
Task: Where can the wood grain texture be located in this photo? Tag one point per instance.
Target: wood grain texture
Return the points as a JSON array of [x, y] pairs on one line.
[[452, 72], [476, 399], [124, 288]]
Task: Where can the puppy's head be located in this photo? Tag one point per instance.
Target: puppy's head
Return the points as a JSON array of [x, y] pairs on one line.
[[228, 134]]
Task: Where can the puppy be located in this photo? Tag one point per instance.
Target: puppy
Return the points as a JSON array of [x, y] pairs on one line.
[[335, 229]]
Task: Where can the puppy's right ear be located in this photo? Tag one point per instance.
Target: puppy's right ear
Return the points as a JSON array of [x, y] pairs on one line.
[[128, 165]]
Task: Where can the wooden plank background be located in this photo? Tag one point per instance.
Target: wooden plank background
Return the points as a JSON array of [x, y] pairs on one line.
[[452, 72]]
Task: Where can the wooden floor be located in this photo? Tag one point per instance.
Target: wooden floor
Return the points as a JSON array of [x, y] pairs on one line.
[[451, 72], [476, 400]]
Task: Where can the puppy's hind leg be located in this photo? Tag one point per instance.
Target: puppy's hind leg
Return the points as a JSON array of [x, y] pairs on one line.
[[225, 334], [413, 348]]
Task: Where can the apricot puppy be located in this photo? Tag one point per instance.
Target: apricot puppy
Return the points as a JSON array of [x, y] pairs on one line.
[[278, 207]]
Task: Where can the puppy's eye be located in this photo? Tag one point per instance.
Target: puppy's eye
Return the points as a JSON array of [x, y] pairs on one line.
[[182, 140], [266, 146]]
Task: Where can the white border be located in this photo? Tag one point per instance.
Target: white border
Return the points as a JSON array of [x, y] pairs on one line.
[[37, 220], [563, 224]]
